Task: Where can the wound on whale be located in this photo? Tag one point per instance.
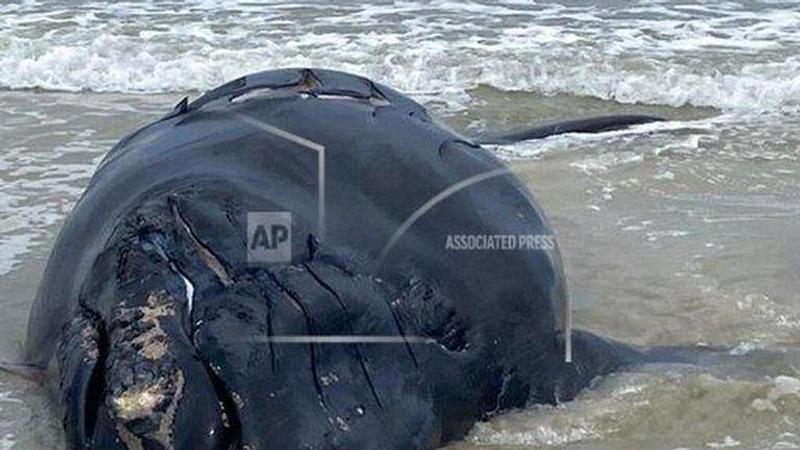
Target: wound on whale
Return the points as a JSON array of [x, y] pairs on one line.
[[169, 323]]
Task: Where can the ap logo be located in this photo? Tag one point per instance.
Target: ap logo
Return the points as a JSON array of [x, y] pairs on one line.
[[269, 237]]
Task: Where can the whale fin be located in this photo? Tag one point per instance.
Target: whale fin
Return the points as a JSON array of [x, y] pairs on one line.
[[28, 372], [597, 124], [742, 360]]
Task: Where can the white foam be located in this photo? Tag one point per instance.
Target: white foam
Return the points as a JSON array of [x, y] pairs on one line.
[[729, 57], [7, 441]]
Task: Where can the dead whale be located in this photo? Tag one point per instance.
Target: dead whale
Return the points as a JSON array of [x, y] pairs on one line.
[[304, 258]]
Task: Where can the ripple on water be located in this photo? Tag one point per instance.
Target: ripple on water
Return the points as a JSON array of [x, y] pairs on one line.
[[672, 407], [46, 167], [7, 427]]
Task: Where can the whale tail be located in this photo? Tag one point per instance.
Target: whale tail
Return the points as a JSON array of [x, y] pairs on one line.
[[595, 356], [597, 124]]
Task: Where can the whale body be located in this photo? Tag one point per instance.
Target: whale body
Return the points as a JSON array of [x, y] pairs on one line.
[[409, 285]]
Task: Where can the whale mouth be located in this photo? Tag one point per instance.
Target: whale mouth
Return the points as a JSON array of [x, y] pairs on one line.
[[268, 93], [263, 93], [310, 84]]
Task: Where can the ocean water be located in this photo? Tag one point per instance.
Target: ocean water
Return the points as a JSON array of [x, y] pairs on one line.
[[682, 232]]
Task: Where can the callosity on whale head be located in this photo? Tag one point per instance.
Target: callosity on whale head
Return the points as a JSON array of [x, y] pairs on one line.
[[302, 259]]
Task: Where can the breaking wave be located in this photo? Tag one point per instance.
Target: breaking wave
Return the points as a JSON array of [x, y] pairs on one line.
[[729, 57]]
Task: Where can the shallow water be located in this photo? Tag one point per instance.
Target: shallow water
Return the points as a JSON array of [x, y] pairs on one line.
[[676, 233]]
